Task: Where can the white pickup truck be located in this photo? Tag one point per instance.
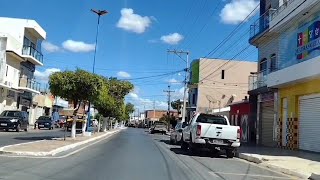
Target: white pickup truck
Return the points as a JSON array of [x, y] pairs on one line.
[[211, 131]]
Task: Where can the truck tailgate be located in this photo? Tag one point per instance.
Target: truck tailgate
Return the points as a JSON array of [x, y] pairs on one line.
[[219, 131]]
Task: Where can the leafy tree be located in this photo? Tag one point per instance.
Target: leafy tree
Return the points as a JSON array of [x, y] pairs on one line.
[[177, 104], [129, 108], [110, 102], [78, 86]]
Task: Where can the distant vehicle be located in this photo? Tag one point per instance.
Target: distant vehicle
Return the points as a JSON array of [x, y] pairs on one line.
[[15, 120], [176, 134], [211, 131], [132, 125], [45, 122], [159, 127]]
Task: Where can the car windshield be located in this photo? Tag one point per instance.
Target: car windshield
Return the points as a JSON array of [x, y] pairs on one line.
[[44, 118], [11, 113], [212, 119]]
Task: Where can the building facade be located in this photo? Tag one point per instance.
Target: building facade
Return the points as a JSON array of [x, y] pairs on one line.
[[217, 83], [290, 36], [20, 53]]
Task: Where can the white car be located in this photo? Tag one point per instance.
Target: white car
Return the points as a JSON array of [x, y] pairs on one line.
[[176, 134], [211, 132]]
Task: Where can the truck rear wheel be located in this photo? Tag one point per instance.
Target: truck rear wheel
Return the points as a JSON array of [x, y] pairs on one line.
[[184, 145], [230, 153]]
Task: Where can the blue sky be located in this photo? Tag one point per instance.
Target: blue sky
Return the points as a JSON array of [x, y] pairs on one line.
[[134, 37]]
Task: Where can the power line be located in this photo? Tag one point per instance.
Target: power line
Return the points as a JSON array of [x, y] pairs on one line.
[[159, 75]]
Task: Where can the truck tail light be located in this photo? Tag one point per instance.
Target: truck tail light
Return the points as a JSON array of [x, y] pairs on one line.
[[239, 134], [198, 130]]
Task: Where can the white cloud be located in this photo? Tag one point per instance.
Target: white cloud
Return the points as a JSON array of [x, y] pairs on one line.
[[133, 22], [174, 81], [144, 103], [133, 95], [237, 10], [77, 46], [44, 75], [178, 94], [49, 47], [123, 74], [172, 39]]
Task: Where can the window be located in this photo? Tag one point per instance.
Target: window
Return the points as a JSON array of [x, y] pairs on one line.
[[273, 62], [222, 74], [193, 98], [263, 66], [211, 119]]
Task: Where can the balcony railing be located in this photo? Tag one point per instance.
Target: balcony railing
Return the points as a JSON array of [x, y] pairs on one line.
[[29, 83], [31, 51], [260, 25], [257, 80], [276, 12]]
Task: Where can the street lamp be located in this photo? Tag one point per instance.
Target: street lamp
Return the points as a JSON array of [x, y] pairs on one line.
[[99, 13]]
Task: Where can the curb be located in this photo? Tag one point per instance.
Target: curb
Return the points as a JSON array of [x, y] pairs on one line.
[[258, 160], [55, 151]]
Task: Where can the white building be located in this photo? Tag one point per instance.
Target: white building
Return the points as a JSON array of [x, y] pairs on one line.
[[20, 53]]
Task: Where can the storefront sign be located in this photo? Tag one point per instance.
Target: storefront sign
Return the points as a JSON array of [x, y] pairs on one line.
[[301, 44], [267, 96]]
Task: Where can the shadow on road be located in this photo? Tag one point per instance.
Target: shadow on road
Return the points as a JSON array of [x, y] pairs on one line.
[[36, 138], [202, 153], [165, 141]]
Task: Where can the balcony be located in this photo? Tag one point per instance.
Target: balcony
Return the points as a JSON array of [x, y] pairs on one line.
[[259, 26], [29, 85], [257, 80], [33, 55]]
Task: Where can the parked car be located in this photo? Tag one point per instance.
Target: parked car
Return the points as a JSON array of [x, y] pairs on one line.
[[159, 127], [176, 134], [211, 131], [45, 122], [15, 120]]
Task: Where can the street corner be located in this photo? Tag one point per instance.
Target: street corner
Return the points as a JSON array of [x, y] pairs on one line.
[[250, 157]]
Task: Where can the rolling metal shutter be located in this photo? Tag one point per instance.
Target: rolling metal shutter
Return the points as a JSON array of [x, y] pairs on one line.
[[309, 123], [267, 118]]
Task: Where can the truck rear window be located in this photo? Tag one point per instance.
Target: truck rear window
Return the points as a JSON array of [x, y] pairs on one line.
[[211, 119]]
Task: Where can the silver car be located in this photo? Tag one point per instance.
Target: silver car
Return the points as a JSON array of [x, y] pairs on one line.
[[175, 136]]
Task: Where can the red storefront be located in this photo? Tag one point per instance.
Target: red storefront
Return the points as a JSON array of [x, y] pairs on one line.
[[240, 116]]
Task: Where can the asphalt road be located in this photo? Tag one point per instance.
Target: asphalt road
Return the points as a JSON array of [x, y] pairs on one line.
[[133, 154], [12, 137]]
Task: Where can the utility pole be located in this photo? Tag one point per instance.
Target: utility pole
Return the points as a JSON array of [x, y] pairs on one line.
[[169, 97], [169, 101], [186, 76]]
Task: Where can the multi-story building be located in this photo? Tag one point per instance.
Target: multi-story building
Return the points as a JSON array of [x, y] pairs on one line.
[[216, 83], [287, 35], [20, 53]]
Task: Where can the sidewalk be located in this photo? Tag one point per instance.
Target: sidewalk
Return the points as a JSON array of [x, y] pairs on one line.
[[53, 146], [297, 163]]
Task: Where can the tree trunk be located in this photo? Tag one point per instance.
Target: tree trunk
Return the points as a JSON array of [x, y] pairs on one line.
[[84, 125], [99, 124], [104, 124], [73, 127]]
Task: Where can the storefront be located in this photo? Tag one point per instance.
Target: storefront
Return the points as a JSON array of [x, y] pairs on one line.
[[239, 116], [267, 122], [300, 112]]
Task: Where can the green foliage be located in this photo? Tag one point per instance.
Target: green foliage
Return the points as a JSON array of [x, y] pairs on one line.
[[129, 108], [76, 86], [177, 105], [110, 102]]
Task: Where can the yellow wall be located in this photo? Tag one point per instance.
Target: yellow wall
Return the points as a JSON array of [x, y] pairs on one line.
[[293, 92]]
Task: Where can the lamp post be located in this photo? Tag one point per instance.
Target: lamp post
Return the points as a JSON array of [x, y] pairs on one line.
[[99, 13]]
